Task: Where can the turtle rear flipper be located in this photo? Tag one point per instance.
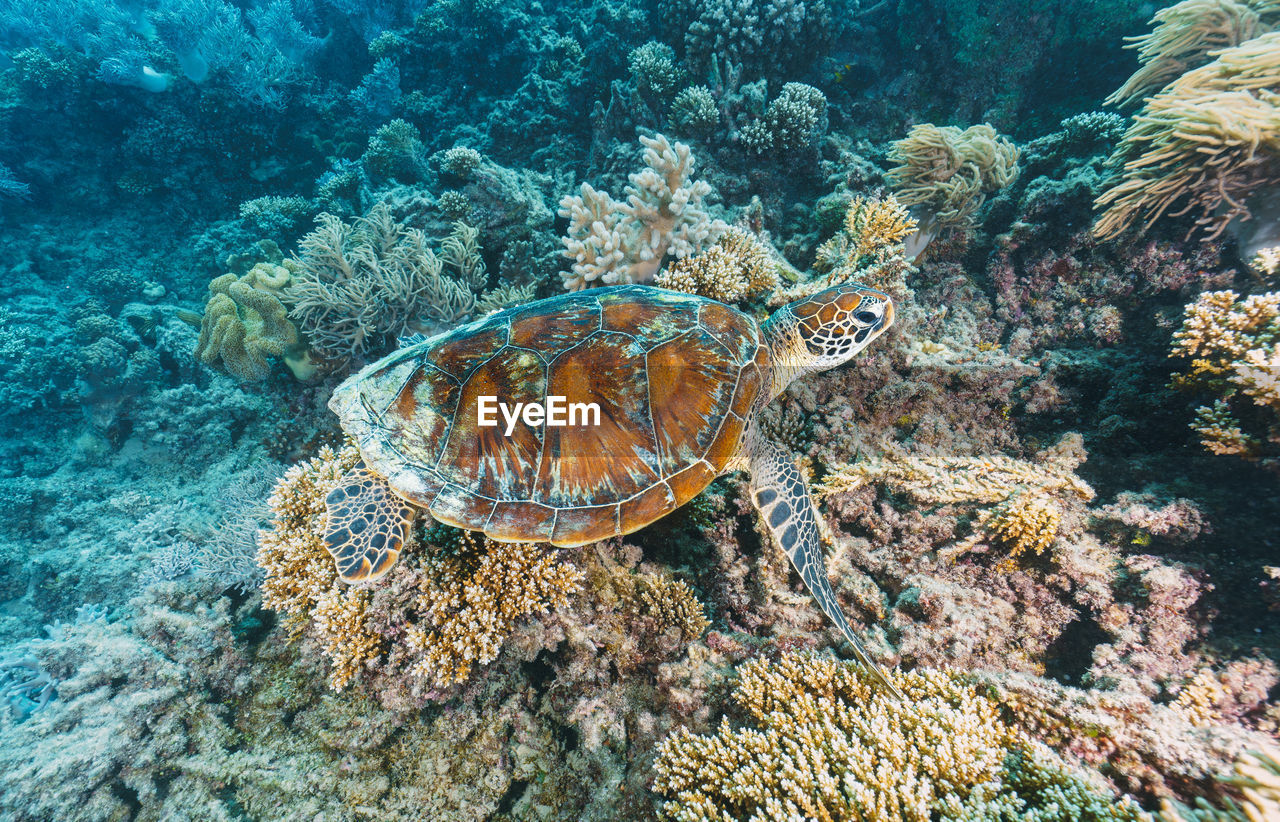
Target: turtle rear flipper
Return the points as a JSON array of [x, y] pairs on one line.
[[367, 525], [779, 492]]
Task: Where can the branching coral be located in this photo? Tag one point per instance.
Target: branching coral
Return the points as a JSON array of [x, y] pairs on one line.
[[945, 173], [1025, 496], [245, 322], [1185, 35], [739, 266], [1202, 145], [460, 609], [612, 243], [1234, 348], [1267, 261], [831, 747], [468, 605], [794, 119], [358, 286]]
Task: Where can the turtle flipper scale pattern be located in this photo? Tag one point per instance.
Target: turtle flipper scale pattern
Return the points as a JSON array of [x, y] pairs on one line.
[[782, 497], [367, 525]]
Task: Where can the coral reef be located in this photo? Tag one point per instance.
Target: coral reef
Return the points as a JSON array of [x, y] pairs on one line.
[[945, 173], [830, 747], [737, 267], [613, 242], [357, 287]]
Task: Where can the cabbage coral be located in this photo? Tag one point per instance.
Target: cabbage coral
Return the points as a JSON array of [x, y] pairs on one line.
[[831, 746], [1202, 145]]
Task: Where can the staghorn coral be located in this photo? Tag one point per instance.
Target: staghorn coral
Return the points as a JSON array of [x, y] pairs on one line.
[[613, 243], [694, 111], [945, 173], [1202, 145], [738, 267], [1028, 521], [359, 286], [654, 68], [1185, 35], [873, 231], [1233, 346], [467, 605], [830, 747], [670, 603], [245, 322]]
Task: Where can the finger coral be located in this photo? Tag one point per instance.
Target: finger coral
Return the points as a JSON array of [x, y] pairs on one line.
[[1202, 145], [467, 605], [830, 746], [945, 173], [245, 322], [614, 243], [1234, 349], [739, 266]]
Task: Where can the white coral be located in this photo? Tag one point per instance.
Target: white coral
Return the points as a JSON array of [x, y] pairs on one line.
[[613, 242]]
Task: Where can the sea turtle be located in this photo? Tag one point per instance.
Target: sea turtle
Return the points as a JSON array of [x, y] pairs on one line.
[[640, 397]]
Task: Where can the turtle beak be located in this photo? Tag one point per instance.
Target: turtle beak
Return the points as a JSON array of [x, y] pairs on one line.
[[887, 319]]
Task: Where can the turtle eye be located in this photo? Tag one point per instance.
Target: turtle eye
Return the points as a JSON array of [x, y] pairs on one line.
[[866, 318]]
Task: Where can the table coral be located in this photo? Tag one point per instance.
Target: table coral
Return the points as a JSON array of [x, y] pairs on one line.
[[830, 747], [614, 243]]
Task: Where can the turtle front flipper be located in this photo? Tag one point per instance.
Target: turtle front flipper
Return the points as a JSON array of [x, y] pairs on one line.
[[782, 497], [367, 525]]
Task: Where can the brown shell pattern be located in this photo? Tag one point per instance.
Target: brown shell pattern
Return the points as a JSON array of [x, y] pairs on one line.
[[675, 377]]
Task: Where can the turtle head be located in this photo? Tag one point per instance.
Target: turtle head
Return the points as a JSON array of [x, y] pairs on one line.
[[825, 330]]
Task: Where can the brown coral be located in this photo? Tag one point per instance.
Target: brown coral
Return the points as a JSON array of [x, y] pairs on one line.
[[467, 605], [245, 322]]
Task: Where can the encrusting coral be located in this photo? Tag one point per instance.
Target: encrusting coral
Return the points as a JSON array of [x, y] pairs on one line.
[[1234, 348], [945, 173], [1202, 145], [245, 322], [830, 747], [739, 266], [614, 243]]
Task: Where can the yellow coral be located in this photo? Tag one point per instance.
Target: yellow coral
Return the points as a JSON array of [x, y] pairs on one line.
[[468, 605], [245, 322], [1234, 347], [873, 231], [1204, 143], [1267, 261], [737, 267], [1027, 522], [301, 578], [671, 603], [947, 172], [831, 746]]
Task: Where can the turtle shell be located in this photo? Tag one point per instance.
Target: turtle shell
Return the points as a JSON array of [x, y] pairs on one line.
[[674, 376]]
